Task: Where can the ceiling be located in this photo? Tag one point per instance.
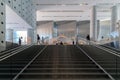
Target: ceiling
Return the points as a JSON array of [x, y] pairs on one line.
[[59, 10]]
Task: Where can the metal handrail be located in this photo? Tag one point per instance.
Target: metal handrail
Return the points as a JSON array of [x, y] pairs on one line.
[[108, 50], [12, 53], [96, 64], [29, 64], [9, 50], [111, 47]]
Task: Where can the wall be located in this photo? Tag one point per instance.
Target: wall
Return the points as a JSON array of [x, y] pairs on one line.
[[104, 29], [45, 29], [30, 39], [83, 28], [67, 28], [25, 9], [14, 21], [21, 7], [9, 35]]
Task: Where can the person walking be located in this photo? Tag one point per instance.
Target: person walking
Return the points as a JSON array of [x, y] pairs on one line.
[[38, 39], [73, 42], [88, 38]]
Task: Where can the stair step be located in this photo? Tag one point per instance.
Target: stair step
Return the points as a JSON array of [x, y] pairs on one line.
[[63, 76]]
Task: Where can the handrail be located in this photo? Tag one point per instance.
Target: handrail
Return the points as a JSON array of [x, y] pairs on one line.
[[9, 50], [111, 47], [12, 53], [96, 64], [29, 64], [108, 50]]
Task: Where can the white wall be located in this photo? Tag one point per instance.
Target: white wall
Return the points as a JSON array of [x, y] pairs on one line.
[[14, 21], [104, 29], [67, 28], [45, 29], [30, 38], [83, 28], [9, 35]]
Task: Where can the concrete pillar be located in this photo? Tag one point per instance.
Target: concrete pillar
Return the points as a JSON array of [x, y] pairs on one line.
[[118, 22], [77, 31], [118, 11], [113, 18], [55, 33], [35, 35], [98, 29], [2, 26], [30, 37], [93, 24], [113, 28]]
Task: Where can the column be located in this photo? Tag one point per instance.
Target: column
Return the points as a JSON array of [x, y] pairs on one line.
[[118, 22], [93, 24], [118, 11], [113, 18], [30, 37], [77, 31], [55, 30], [2, 26], [98, 29], [35, 35], [113, 28]]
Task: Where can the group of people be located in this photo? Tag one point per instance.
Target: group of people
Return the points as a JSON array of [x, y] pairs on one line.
[[39, 40]]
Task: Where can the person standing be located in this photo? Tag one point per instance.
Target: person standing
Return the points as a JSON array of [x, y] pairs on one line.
[[19, 40]]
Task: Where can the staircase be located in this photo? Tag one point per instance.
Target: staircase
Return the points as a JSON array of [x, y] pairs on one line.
[[63, 63], [57, 62], [11, 66], [110, 62]]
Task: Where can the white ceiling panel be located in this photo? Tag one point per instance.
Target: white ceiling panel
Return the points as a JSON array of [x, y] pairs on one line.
[[72, 9]]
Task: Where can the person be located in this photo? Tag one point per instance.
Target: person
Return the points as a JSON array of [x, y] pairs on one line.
[[88, 37], [102, 37], [38, 39], [19, 40], [61, 43], [73, 42]]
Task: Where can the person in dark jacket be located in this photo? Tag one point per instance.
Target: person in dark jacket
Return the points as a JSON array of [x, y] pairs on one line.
[[88, 37], [38, 39], [20, 40]]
